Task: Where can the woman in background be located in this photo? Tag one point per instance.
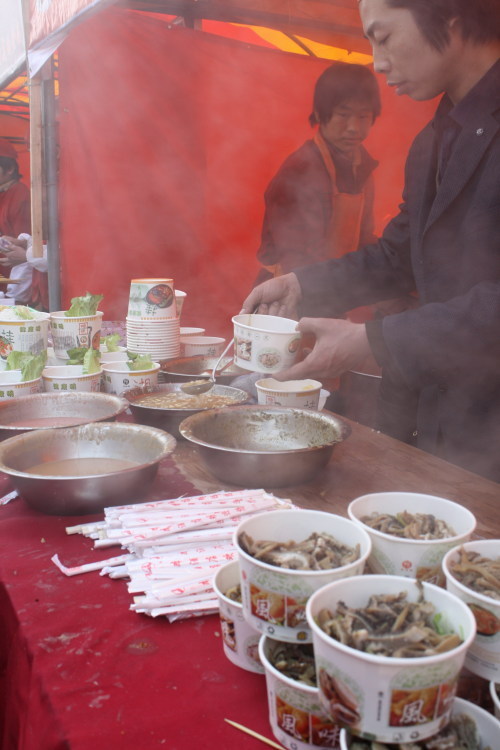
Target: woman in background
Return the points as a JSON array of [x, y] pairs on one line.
[[319, 205]]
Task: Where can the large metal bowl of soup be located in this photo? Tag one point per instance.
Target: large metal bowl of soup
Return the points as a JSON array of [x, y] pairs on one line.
[[83, 469], [264, 446], [166, 405], [44, 411], [182, 369]]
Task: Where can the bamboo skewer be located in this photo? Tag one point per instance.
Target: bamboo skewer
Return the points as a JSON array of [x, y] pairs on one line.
[[255, 734]]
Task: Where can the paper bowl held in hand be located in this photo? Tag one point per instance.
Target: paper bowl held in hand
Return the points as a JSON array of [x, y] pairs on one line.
[[169, 417], [44, 411], [265, 343], [84, 469], [264, 446]]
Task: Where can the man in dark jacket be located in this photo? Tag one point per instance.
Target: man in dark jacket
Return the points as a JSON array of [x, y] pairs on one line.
[[445, 242]]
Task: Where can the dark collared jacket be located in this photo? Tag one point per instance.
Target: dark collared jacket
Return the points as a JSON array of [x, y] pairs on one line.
[[445, 243]]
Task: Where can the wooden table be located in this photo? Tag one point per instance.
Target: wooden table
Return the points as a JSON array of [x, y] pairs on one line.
[[366, 462], [79, 670]]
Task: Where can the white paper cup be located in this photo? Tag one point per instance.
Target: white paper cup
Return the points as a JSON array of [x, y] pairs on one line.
[[296, 715], [483, 657], [265, 343], [274, 598], [415, 558], [152, 299], [24, 335], [487, 726], [117, 378], [204, 346], [185, 332], [121, 356], [240, 641], [379, 697], [291, 393], [71, 378], [73, 333], [11, 385], [495, 697], [180, 298]]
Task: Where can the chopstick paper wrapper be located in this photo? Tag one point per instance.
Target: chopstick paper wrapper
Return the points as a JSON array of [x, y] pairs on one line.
[[175, 547]]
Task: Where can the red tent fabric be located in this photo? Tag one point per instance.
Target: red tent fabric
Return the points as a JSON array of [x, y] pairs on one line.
[[168, 139]]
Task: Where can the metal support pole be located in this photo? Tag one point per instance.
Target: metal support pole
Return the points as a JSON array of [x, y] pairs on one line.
[[51, 186]]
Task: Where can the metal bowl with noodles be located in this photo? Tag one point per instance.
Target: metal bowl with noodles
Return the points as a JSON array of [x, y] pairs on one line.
[[264, 446], [79, 470], [45, 411]]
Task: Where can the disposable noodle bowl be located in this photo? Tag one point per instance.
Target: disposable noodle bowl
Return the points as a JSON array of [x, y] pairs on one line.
[[483, 657], [118, 378], [24, 335], [296, 715], [380, 697], [488, 727], [415, 558], [68, 332], [11, 385], [274, 598], [495, 697], [265, 343], [239, 639], [71, 378]]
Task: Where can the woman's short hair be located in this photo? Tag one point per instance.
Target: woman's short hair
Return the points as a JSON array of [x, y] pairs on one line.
[[342, 82], [479, 19]]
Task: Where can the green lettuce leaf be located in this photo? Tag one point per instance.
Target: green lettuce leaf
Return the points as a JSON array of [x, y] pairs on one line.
[[31, 365], [24, 312], [91, 361], [141, 362], [112, 342], [76, 355], [84, 305]]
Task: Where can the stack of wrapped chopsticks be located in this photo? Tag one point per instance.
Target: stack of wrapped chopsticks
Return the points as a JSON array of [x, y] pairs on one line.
[[174, 547]]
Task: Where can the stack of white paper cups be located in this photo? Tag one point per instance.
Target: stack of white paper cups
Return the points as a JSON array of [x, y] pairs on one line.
[[152, 320]]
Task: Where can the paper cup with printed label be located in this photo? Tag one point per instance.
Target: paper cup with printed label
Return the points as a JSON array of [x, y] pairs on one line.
[[239, 639], [83, 332], [118, 378], [488, 728], [201, 346], [180, 298], [24, 335], [11, 385], [415, 558], [296, 715], [71, 378], [380, 697], [265, 343], [274, 598], [152, 299], [483, 657], [293, 393]]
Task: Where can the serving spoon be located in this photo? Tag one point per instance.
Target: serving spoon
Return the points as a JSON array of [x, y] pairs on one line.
[[197, 387]]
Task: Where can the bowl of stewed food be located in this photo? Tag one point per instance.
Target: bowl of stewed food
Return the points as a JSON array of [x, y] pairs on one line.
[[166, 405]]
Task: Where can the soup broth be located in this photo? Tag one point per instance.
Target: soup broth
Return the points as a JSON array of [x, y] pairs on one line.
[[80, 467]]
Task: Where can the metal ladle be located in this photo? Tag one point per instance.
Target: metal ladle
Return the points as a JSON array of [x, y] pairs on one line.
[[197, 387]]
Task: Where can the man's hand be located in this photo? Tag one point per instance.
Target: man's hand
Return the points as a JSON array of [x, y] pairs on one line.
[[280, 296], [340, 346], [13, 251]]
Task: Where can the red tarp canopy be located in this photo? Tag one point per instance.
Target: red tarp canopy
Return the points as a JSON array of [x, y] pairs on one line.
[[168, 138]]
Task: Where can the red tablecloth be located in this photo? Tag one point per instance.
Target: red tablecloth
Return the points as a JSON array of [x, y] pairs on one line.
[[79, 670]]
